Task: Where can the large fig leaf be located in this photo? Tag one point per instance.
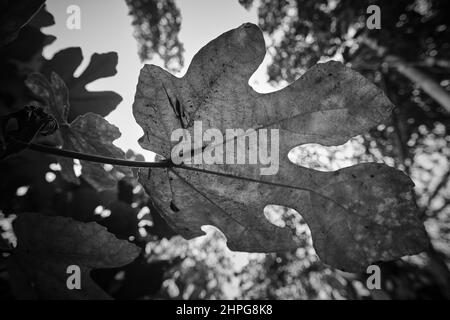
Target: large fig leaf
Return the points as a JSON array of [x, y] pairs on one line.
[[357, 215], [82, 101], [47, 246], [89, 133]]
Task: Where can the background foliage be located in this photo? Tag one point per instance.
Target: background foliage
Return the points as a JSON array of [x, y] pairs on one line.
[[303, 32]]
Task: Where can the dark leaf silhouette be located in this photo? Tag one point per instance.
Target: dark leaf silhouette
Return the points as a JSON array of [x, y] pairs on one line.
[[19, 128], [14, 15], [46, 246], [357, 215], [82, 101], [142, 279]]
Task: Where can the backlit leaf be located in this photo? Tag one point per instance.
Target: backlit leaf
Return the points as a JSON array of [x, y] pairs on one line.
[[89, 133], [358, 215]]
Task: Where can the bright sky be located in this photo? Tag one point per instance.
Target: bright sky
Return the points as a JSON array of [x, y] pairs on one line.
[[106, 26]]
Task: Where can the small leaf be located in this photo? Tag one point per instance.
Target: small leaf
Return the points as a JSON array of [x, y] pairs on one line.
[[92, 134], [89, 133], [357, 215], [53, 94], [46, 246]]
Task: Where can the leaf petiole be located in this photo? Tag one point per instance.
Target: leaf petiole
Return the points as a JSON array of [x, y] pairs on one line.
[[96, 158]]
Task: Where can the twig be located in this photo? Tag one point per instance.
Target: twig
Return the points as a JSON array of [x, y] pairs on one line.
[[162, 164], [439, 210], [438, 188], [96, 158]]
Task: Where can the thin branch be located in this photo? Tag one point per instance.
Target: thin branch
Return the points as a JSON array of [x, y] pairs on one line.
[[436, 212], [96, 158], [162, 164], [425, 82], [439, 187]]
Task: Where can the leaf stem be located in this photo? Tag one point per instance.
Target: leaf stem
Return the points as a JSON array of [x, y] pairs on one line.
[[96, 158], [161, 164], [141, 164]]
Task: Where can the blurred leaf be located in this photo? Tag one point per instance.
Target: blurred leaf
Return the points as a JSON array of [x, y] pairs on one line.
[[141, 279], [27, 168], [14, 15], [247, 4], [160, 227], [157, 25], [357, 215], [80, 201], [46, 246], [122, 221], [89, 134], [3, 243], [66, 61]]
